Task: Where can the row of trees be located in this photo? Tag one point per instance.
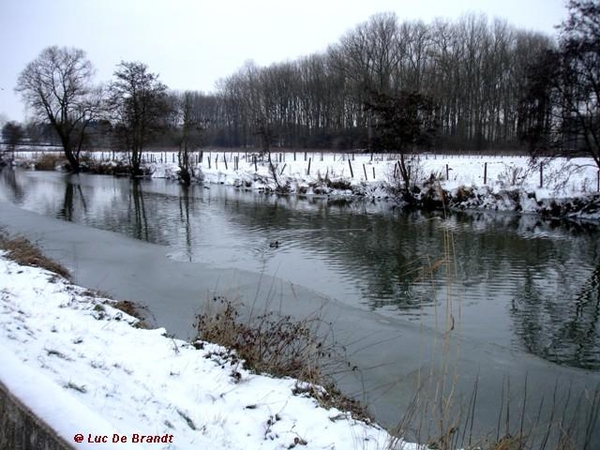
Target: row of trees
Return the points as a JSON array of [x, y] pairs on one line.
[[385, 85], [561, 103], [58, 88], [474, 71]]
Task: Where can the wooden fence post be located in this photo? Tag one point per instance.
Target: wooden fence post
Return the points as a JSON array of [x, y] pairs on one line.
[[351, 171], [484, 173]]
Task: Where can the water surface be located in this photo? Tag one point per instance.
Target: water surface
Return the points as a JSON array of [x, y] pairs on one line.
[[515, 281], [522, 294]]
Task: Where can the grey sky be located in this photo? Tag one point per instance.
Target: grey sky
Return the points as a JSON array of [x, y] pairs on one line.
[[193, 43]]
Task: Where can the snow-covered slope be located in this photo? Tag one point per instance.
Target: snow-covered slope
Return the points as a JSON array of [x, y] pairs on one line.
[[86, 369]]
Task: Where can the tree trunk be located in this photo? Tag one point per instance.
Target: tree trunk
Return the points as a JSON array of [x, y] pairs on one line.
[[72, 158], [404, 172], [184, 165], [136, 162]]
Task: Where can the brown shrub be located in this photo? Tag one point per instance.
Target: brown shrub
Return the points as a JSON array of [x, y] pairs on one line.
[[49, 161], [281, 346]]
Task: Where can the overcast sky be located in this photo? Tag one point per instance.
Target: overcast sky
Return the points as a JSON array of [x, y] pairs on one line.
[[193, 43]]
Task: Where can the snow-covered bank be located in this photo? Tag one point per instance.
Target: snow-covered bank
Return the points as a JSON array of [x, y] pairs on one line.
[[558, 187], [85, 368], [551, 187]]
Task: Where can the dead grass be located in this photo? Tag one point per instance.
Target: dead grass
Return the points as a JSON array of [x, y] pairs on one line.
[[127, 307], [134, 310], [22, 251], [49, 161], [281, 346]]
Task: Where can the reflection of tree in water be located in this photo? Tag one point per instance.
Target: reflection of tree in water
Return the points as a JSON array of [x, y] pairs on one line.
[[184, 217], [72, 190], [137, 207], [387, 257], [9, 179], [562, 324], [126, 212]]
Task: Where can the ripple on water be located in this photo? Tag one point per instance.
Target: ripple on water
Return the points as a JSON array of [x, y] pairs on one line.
[[515, 281]]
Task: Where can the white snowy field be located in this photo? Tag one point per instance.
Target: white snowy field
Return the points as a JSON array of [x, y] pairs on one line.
[[83, 367], [547, 178]]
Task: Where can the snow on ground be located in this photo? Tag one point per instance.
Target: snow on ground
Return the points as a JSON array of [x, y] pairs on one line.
[[371, 175], [560, 177], [553, 187], [85, 368]]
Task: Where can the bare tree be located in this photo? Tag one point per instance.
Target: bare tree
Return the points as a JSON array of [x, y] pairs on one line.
[[57, 87], [404, 123], [138, 101], [12, 134], [189, 128], [561, 109]]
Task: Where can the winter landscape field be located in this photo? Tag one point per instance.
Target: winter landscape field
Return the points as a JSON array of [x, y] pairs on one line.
[[55, 335]]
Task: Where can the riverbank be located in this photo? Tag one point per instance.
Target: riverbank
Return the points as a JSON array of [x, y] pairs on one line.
[[110, 382], [554, 188]]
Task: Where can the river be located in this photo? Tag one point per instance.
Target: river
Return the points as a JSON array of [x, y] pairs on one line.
[[491, 300]]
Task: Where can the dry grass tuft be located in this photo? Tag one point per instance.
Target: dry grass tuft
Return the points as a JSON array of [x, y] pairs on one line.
[[127, 307], [509, 442], [22, 251], [280, 346], [50, 161], [134, 310]]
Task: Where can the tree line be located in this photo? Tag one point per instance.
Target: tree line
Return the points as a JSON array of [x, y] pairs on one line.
[[472, 70], [386, 85]]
